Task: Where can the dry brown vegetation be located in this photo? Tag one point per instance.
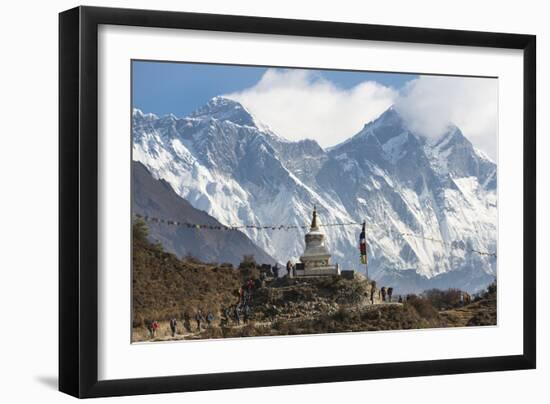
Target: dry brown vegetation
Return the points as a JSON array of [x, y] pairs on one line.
[[165, 287]]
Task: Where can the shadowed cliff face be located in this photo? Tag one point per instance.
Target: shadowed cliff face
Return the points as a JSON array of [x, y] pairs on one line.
[[156, 198]]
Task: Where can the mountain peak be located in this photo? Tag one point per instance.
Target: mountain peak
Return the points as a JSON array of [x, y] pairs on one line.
[[390, 117], [451, 137], [138, 113], [386, 126], [225, 109]]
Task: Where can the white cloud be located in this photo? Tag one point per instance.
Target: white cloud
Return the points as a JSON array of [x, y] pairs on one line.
[[430, 103], [298, 104]]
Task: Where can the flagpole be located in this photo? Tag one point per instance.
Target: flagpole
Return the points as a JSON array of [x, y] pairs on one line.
[[366, 252], [363, 248]]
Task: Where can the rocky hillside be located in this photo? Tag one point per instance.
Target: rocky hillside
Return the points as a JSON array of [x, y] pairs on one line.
[[483, 311], [166, 287]]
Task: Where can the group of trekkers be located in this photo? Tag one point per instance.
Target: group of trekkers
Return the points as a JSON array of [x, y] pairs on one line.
[[242, 310], [290, 270], [385, 294], [200, 319]]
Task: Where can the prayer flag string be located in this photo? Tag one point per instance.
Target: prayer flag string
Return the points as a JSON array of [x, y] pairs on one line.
[[457, 244]]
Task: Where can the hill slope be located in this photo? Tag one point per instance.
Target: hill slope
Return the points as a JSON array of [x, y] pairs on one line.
[[166, 287], [152, 197]]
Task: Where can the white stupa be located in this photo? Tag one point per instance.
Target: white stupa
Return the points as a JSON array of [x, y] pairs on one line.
[[316, 258]]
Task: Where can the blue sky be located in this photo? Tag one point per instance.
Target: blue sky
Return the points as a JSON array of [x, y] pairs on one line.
[[328, 106], [180, 88]]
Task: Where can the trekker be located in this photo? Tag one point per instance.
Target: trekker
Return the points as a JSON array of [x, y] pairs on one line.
[[153, 327], [400, 299], [262, 279], [225, 317], [237, 315], [288, 268], [383, 293], [390, 292], [156, 326], [241, 294], [173, 325], [187, 321], [246, 313], [199, 318], [209, 318], [275, 270], [249, 290]]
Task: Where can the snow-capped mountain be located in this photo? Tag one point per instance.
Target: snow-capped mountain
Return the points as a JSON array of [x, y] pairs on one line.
[[225, 162]]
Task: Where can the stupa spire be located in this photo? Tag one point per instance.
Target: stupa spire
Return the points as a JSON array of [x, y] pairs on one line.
[[314, 225]]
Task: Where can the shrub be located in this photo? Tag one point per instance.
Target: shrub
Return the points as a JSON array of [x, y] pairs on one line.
[[282, 326], [248, 262], [191, 259], [249, 330], [492, 288], [422, 306], [137, 320], [342, 315], [444, 299], [140, 230]]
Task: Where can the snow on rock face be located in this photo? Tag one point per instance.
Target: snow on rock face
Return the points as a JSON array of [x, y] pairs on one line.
[[226, 163], [224, 109]]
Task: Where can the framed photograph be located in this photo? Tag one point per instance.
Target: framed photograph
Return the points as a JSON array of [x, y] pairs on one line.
[[251, 201]]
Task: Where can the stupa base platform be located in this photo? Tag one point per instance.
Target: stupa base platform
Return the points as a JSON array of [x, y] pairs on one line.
[[319, 271]]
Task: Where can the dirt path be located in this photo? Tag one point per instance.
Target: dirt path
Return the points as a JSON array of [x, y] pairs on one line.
[[457, 317], [142, 336]]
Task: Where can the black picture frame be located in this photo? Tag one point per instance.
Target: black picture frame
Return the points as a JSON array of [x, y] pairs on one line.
[[78, 200]]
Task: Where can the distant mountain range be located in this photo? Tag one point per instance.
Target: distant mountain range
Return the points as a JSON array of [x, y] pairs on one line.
[[156, 198], [226, 163]]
